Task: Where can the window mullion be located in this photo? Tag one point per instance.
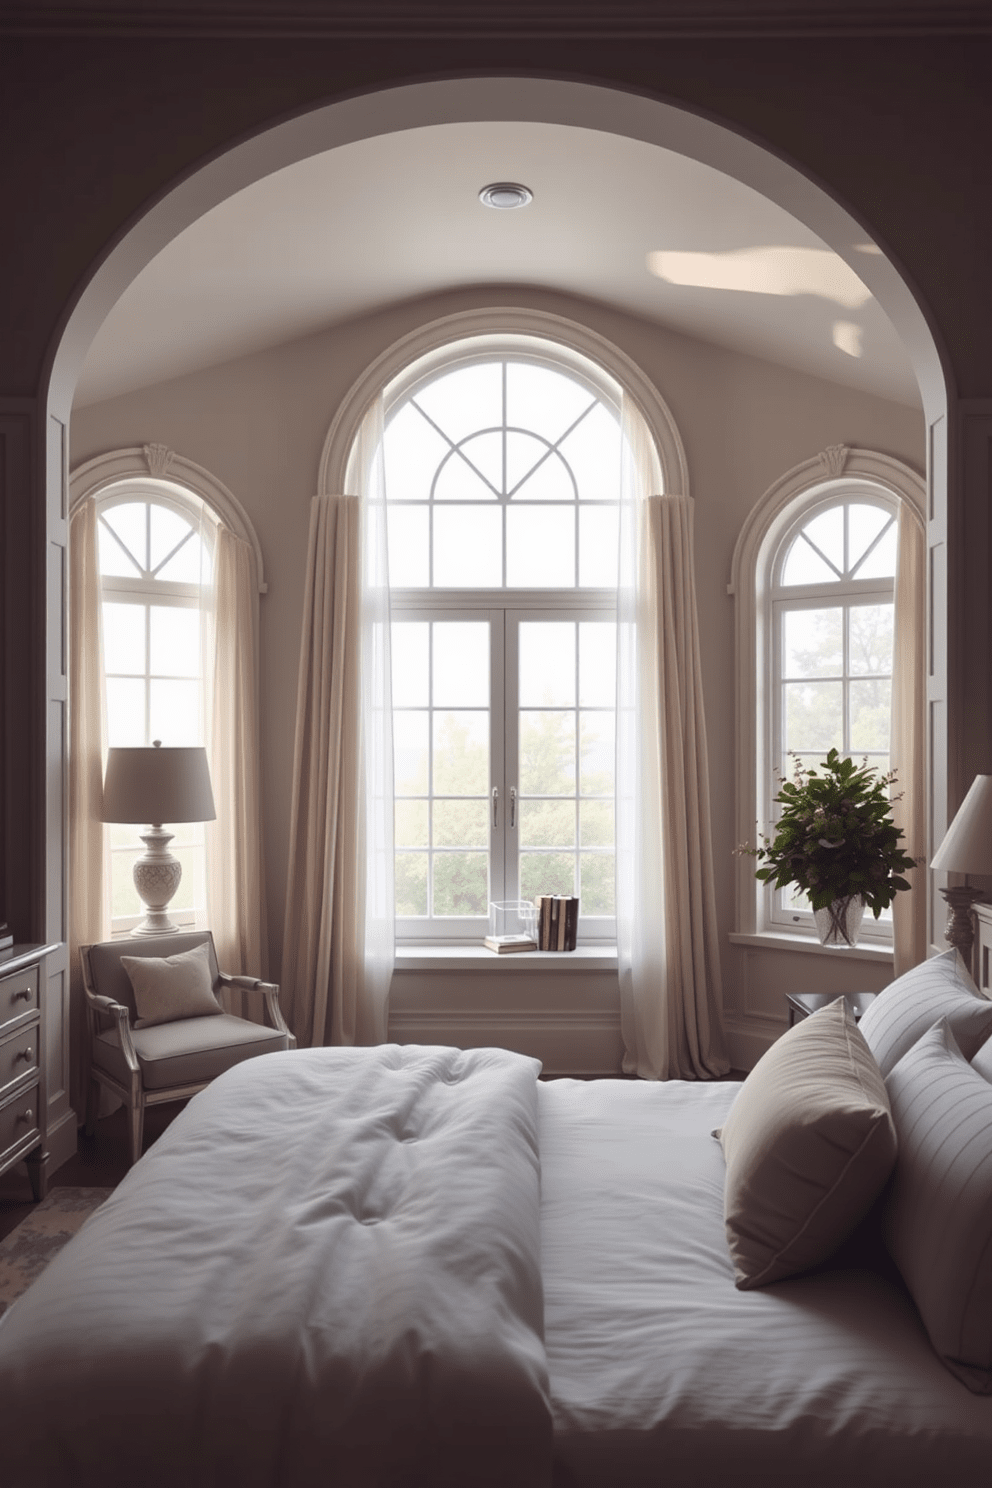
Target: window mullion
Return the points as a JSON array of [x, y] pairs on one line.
[[505, 692]]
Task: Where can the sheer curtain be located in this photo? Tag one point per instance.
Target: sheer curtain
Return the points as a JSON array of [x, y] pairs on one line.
[[908, 747], [89, 868], [234, 859], [667, 942], [338, 942]]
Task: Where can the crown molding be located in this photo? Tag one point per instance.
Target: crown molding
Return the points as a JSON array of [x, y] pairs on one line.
[[440, 19]]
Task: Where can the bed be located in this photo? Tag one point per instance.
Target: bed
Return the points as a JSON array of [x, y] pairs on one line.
[[436, 1268]]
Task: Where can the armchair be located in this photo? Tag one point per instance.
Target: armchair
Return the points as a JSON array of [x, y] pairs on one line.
[[172, 1060]]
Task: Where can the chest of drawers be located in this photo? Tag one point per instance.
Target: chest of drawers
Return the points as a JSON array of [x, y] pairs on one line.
[[21, 1133]]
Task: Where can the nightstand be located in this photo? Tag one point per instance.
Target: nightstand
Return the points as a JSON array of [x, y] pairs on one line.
[[802, 1004], [20, 1064]]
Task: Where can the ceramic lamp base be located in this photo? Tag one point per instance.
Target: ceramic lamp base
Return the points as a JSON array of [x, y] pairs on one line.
[[157, 875]]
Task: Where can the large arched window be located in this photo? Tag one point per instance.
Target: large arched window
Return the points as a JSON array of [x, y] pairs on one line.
[[502, 474]]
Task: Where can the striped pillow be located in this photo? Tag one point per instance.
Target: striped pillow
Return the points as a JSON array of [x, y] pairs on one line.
[[938, 1212], [902, 1013], [808, 1143]]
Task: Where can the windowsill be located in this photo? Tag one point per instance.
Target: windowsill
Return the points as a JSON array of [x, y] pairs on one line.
[[774, 940], [477, 958]]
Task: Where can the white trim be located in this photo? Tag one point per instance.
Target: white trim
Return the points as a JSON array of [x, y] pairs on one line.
[[434, 343], [159, 468], [410, 957], [781, 941], [834, 471]]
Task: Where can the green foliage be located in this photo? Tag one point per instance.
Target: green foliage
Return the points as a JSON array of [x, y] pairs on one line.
[[836, 837]]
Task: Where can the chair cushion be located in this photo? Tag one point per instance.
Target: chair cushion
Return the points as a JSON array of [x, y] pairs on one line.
[[906, 1008], [108, 976], [189, 1052], [938, 1212], [809, 1144], [171, 987]]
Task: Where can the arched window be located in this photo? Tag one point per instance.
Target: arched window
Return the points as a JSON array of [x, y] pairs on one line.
[[502, 475], [813, 578], [155, 544], [831, 599]]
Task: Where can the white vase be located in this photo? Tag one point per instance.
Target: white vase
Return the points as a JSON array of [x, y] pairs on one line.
[[840, 923]]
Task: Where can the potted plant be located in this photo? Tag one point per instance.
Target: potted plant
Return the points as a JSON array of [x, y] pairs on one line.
[[836, 840]]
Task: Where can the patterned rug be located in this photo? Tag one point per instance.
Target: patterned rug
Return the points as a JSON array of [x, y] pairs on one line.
[[41, 1235]]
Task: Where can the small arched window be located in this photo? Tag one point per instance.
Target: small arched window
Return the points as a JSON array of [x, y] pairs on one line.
[[155, 557], [814, 585], [831, 597]]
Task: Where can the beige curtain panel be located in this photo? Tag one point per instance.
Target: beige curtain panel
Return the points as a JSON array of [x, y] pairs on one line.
[[339, 930], [908, 747], [234, 856], [667, 941]]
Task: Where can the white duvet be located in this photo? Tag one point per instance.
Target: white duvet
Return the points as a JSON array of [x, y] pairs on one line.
[[327, 1271]]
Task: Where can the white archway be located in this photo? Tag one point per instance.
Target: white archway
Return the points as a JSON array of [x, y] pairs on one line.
[[537, 100], [524, 99]]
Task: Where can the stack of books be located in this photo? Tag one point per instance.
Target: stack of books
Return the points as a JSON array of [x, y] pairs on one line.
[[504, 944], [557, 922]]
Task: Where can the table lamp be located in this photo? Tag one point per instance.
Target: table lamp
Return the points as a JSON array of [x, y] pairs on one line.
[[157, 785], [967, 848]]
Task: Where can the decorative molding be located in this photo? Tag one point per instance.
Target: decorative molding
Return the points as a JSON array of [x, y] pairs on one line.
[[433, 341], [833, 459], [159, 458], [437, 19], [159, 463]]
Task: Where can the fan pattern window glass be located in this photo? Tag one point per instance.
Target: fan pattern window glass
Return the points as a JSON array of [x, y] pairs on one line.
[[832, 636], [153, 560], [502, 474]]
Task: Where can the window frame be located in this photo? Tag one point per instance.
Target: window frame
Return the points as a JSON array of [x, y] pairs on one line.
[[835, 469], [566, 345], [844, 593], [504, 608], [145, 590]]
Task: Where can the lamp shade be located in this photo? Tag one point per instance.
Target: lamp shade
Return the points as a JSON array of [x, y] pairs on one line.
[[157, 785], [967, 847]]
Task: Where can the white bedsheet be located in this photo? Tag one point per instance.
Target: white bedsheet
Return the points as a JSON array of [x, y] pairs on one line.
[[325, 1272], [663, 1373]]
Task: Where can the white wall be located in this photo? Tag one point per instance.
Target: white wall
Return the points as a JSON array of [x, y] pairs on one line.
[[258, 424]]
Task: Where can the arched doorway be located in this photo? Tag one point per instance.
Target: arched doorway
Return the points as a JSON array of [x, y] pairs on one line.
[[408, 107]]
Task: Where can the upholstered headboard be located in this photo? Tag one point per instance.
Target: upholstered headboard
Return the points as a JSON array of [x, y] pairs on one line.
[[982, 964]]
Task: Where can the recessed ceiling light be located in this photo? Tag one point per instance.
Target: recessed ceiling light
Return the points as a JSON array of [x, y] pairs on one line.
[[505, 195]]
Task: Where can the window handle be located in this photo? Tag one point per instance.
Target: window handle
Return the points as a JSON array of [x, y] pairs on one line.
[[495, 806], [513, 806]]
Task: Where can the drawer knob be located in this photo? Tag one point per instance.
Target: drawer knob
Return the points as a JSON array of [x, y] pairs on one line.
[[27, 1115], [25, 992], [22, 1054]]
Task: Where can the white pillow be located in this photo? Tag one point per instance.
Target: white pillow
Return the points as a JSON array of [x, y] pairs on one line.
[[938, 988], [809, 1143], [938, 1212], [167, 988]]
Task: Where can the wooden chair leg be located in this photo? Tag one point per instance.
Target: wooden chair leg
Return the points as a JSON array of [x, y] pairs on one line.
[[136, 1124]]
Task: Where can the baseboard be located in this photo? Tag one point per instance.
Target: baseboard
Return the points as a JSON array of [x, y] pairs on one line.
[[749, 1038], [61, 1139]]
